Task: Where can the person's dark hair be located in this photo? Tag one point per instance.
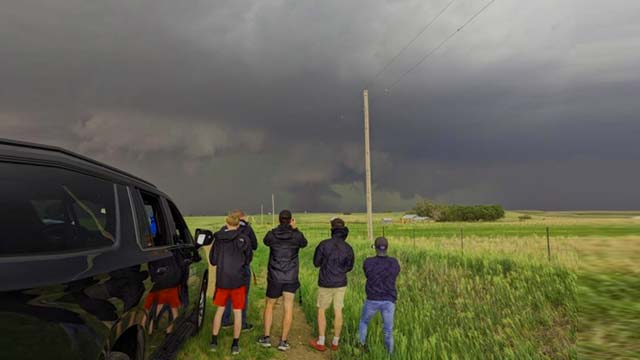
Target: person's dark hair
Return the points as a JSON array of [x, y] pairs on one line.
[[337, 223], [285, 217]]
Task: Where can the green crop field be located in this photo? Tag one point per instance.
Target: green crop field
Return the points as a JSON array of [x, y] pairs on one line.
[[480, 290]]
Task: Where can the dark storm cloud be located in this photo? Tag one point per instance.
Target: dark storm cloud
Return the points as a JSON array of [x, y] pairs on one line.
[[222, 103]]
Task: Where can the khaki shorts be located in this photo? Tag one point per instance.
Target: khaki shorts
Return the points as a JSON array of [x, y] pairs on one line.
[[328, 295]]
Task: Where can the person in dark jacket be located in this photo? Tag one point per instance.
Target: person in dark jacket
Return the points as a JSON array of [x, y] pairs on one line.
[[381, 272], [284, 243], [246, 230], [231, 253], [335, 259]]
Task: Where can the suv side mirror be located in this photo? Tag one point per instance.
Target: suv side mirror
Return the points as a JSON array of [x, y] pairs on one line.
[[203, 237]]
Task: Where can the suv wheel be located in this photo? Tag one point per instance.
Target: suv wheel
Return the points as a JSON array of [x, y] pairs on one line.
[[202, 305]]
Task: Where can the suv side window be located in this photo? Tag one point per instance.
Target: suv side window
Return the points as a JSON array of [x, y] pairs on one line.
[[181, 231], [53, 210], [153, 229]]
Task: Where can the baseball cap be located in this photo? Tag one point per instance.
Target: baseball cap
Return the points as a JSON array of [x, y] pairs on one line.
[[381, 244]]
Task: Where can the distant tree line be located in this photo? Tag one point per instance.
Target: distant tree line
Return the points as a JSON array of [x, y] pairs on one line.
[[445, 212]]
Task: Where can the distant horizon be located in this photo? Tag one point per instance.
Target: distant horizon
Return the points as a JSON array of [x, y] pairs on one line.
[[611, 211]]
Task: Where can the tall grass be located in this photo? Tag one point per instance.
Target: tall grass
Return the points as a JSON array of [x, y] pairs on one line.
[[501, 298], [452, 306]]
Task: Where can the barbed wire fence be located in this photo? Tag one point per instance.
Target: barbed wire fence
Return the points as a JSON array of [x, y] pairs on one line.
[[539, 243]]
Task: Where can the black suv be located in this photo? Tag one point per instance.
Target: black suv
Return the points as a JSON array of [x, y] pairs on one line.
[[95, 263]]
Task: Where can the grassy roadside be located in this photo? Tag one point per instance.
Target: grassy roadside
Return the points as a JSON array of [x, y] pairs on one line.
[[453, 306], [600, 248], [609, 298]]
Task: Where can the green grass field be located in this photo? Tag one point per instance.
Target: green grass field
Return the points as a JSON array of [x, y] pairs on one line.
[[490, 293]]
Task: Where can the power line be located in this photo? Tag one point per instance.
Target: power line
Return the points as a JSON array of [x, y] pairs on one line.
[[428, 55], [406, 46]]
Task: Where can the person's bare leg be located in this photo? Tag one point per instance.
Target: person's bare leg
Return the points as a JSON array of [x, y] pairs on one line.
[[158, 309], [287, 318], [237, 323], [174, 314], [217, 321], [268, 315], [149, 326], [337, 322], [322, 322]]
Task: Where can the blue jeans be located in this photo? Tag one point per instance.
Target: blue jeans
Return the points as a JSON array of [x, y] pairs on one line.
[[226, 317], [370, 309]]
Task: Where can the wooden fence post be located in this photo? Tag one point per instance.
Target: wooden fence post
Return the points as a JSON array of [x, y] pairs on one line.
[[414, 236], [548, 245]]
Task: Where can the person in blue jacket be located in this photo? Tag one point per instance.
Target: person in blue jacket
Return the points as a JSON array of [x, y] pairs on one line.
[[381, 272]]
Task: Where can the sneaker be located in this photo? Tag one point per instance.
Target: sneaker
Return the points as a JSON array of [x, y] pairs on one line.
[[284, 345], [247, 327], [235, 349], [314, 344], [227, 325], [264, 341], [334, 347], [213, 347]]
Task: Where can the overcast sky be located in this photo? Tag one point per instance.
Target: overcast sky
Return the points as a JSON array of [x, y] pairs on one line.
[[535, 104]]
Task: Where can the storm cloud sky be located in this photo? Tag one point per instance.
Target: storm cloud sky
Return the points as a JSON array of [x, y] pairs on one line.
[[220, 103]]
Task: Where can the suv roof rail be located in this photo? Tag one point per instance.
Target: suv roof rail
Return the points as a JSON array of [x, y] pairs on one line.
[[4, 141]]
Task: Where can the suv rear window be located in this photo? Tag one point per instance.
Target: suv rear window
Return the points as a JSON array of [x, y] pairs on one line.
[[51, 210], [152, 220]]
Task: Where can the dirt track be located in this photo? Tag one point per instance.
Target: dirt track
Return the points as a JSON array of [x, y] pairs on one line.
[[300, 333]]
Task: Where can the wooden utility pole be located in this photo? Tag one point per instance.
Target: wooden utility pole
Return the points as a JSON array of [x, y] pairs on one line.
[[273, 210], [367, 163]]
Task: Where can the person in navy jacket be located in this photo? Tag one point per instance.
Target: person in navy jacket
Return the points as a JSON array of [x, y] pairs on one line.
[[381, 272]]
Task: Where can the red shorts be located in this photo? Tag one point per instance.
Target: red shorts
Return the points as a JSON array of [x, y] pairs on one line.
[[238, 297], [169, 297]]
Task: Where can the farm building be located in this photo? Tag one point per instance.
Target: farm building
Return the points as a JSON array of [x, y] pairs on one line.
[[412, 218]]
